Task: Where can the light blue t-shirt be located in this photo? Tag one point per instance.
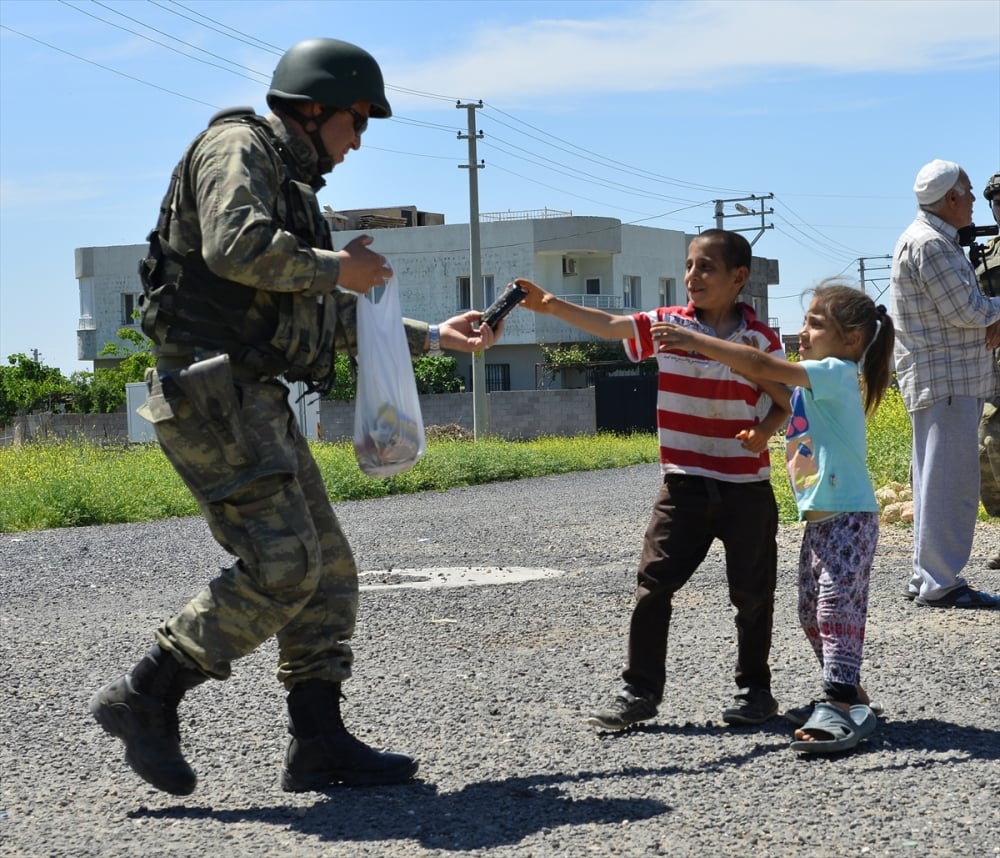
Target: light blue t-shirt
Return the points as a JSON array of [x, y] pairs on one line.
[[826, 444]]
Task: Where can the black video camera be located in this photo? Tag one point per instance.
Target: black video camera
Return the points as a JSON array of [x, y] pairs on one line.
[[967, 235]]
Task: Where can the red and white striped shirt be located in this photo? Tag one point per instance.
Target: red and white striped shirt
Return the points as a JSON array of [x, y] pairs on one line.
[[701, 403]]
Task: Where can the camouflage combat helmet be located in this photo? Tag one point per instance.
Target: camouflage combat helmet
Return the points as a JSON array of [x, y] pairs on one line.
[[992, 186], [332, 73]]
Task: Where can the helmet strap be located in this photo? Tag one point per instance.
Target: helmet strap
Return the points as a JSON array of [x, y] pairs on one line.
[[324, 161]]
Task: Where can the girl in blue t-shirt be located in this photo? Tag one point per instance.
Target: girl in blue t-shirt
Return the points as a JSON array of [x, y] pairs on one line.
[[845, 350]]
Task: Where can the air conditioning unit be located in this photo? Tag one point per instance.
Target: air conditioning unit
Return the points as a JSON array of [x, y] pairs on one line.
[[569, 266]]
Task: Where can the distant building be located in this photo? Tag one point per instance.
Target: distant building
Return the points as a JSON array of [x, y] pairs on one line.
[[791, 344], [593, 261], [109, 296]]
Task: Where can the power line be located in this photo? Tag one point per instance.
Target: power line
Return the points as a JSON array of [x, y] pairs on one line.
[[161, 44], [563, 170], [502, 169], [109, 69], [823, 237], [225, 30], [597, 158], [822, 245]]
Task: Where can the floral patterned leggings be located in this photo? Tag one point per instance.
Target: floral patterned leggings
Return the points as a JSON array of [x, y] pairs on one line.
[[835, 565]]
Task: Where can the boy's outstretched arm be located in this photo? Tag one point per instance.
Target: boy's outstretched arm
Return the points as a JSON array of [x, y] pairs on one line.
[[589, 319]]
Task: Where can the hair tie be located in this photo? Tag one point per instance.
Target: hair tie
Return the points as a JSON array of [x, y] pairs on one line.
[[878, 327]]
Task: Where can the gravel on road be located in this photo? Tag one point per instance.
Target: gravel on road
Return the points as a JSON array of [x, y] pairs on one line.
[[489, 687]]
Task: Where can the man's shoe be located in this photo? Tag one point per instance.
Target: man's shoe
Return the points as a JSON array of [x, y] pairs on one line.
[[140, 708], [962, 597], [629, 707], [753, 706], [333, 759], [909, 594], [322, 753]]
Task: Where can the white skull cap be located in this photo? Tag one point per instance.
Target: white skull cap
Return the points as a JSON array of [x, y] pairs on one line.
[[935, 180]]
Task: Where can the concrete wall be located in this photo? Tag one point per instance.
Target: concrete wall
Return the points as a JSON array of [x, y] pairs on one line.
[[54, 427], [514, 415]]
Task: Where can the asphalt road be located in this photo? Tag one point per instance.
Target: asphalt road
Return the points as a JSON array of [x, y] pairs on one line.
[[488, 686]]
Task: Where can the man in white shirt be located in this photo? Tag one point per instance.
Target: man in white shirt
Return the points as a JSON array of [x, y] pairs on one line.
[[946, 330]]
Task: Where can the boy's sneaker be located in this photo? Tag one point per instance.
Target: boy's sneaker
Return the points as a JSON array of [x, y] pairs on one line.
[[629, 707], [753, 706]]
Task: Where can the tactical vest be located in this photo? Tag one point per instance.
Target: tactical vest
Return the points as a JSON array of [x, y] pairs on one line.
[[188, 309], [988, 269]]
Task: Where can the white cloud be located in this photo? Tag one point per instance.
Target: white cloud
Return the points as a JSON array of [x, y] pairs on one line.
[[692, 45]]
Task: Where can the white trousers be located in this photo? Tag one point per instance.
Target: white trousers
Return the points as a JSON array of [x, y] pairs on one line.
[[945, 492]]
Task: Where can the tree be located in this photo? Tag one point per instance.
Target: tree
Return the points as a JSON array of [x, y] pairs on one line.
[[599, 358], [27, 385], [346, 378], [437, 374], [103, 391]]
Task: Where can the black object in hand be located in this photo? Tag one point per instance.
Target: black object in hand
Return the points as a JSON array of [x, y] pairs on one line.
[[510, 298]]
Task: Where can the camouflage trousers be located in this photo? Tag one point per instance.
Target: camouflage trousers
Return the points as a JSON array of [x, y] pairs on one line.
[[239, 450], [989, 457]]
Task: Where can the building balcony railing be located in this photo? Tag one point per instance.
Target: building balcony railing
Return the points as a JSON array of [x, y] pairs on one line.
[[530, 214], [548, 329], [602, 302]]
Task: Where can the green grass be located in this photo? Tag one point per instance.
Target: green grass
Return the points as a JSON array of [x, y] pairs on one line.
[[75, 483]]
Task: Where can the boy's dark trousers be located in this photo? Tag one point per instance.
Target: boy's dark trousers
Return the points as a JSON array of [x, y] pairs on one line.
[[689, 513]]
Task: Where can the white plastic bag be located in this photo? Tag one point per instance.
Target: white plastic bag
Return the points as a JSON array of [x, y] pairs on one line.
[[388, 426]]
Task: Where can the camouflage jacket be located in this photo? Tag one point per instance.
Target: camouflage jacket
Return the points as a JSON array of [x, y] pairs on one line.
[[248, 266]]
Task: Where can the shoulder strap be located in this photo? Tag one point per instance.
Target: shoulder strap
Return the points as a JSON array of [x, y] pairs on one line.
[[247, 116]]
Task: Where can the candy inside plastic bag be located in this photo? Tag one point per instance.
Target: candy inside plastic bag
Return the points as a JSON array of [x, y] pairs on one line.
[[388, 426]]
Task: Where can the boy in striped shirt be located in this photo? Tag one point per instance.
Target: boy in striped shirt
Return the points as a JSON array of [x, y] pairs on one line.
[[714, 426]]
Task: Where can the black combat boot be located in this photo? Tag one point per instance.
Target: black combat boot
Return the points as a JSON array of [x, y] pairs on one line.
[[140, 708], [322, 753]]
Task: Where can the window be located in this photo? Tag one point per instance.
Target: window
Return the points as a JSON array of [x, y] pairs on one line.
[[463, 297], [497, 376], [593, 285], [631, 290], [569, 266], [130, 303], [666, 293], [464, 292]]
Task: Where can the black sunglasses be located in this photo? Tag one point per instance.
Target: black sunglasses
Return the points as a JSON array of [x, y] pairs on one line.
[[360, 120]]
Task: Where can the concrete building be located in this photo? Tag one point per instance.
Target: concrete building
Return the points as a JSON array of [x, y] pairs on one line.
[[109, 288], [595, 261]]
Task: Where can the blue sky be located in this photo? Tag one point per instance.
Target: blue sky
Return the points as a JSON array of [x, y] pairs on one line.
[[642, 111]]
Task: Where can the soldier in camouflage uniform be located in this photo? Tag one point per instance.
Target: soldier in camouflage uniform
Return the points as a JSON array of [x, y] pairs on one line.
[[988, 272], [239, 290]]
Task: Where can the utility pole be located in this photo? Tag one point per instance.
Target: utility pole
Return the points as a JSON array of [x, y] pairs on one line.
[[862, 269], [480, 419], [743, 211]]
